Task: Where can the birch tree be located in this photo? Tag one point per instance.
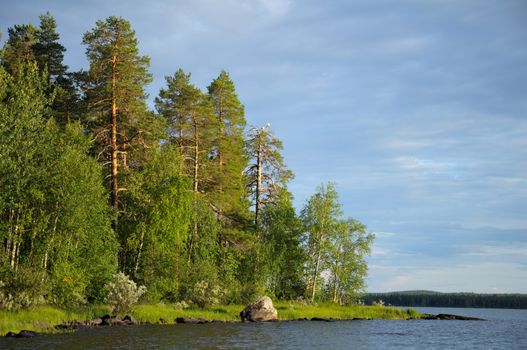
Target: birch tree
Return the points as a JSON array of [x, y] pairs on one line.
[[346, 260], [320, 218]]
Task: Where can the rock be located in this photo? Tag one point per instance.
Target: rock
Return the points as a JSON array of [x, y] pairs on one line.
[[450, 317], [191, 320], [22, 334], [69, 325], [108, 320], [322, 319], [129, 320], [94, 323], [260, 311], [457, 317]]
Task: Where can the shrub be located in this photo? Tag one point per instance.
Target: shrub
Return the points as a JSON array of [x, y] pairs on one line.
[[68, 286], [412, 313], [22, 289], [379, 302], [123, 292], [181, 305], [205, 294]]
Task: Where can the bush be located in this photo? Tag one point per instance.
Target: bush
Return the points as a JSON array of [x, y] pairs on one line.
[[123, 292], [205, 294], [68, 286], [181, 305], [22, 289], [412, 313]]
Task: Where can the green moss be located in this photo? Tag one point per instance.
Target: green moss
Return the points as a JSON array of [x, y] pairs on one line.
[[42, 319]]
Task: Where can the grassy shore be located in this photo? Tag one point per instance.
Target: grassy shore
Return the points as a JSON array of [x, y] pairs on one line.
[[42, 319]]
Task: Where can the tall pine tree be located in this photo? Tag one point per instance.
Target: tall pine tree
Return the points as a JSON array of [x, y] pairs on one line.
[[116, 97], [267, 174], [228, 190]]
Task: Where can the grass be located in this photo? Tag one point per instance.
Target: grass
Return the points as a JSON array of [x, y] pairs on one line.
[[43, 318], [291, 311], [152, 313]]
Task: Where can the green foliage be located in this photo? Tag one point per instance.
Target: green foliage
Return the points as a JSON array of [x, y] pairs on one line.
[[205, 293], [68, 285], [346, 260], [47, 50], [227, 186], [123, 292], [334, 245], [53, 207], [22, 289], [18, 51], [267, 173], [182, 184], [283, 257], [319, 217], [157, 223]]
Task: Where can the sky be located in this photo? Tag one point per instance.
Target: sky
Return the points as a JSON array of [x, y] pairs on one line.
[[416, 110]]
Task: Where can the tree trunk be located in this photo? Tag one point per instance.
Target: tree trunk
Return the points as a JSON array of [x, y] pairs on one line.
[[123, 152], [139, 251], [195, 189], [317, 266], [114, 154], [258, 184]]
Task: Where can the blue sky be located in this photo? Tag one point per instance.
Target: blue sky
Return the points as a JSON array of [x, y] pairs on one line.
[[417, 110]]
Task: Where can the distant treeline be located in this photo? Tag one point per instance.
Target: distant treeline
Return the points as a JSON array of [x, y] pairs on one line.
[[436, 299]]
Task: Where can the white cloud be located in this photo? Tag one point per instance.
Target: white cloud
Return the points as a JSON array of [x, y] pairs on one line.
[[424, 165]]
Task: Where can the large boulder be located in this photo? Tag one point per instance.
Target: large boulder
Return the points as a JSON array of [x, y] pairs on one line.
[[260, 311]]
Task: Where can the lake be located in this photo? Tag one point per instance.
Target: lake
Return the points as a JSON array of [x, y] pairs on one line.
[[504, 329]]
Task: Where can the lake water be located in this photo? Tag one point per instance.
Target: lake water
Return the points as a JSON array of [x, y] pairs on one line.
[[504, 329]]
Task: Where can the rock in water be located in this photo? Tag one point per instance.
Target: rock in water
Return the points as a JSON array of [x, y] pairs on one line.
[[260, 311]]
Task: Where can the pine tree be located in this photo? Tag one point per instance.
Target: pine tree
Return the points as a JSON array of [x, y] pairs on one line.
[[267, 174], [228, 189], [191, 128], [18, 49], [48, 52], [116, 96]]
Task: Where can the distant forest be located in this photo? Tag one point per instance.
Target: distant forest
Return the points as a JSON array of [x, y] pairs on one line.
[[436, 299]]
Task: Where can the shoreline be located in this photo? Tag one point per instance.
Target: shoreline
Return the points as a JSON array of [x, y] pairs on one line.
[[29, 323], [49, 319]]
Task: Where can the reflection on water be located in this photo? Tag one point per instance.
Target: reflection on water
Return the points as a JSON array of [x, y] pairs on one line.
[[505, 329]]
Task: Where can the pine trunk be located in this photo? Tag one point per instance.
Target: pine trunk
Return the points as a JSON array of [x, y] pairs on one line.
[[114, 154], [258, 185]]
